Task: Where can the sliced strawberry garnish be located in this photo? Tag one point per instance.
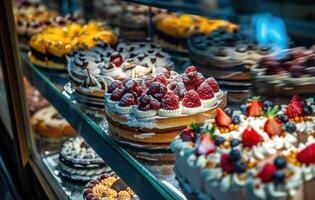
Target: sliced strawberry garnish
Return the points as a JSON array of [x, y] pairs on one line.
[[127, 100], [273, 125], [266, 173], [115, 84], [227, 164], [157, 90], [295, 109], [254, 107], [160, 78], [191, 99], [204, 145], [307, 155], [222, 118], [190, 69], [213, 84], [117, 94], [187, 135], [170, 101], [205, 91], [250, 137]]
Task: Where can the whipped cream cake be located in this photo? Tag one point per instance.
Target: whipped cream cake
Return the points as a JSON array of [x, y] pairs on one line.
[[151, 110], [92, 71], [78, 161], [254, 153]]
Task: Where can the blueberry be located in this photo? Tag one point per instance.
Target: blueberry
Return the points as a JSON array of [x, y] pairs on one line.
[[228, 111], [283, 118], [280, 162], [236, 119], [278, 177], [290, 127], [268, 104], [308, 110], [240, 167], [303, 103], [235, 142], [219, 140], [235, 155], [243, 109]]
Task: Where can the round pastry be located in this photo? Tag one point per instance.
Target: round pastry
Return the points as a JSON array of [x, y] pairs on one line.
[[49, 124], [91, 71], [108, 186], [254, 153], [78, 161], [49, 48], [151, 110], [173, 30], [35, 100]]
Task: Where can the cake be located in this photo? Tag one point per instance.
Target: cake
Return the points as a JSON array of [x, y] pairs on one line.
[[50, 126], [151, 110], [228, 57], [108, 186], [173, 30], [49, 48], [78, 161], [254, 153], [291, 72], [91, 71]]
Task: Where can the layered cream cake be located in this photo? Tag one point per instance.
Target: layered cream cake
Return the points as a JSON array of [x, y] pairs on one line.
[[254, 153]]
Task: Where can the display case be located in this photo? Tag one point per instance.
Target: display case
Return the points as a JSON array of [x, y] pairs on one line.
[[82, 80]]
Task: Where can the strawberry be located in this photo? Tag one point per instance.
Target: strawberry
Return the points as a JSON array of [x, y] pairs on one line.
[[227, 164], [307, 155], [191, 99], [157, 90], [204, 145], [295, 109], [190, 69], [273, 125], [213, 84], [254, 107], [187, 135], [266, 173], [170, 101], [222, 118], [127, 100], [250, 137], [115, 84], [205, 91]]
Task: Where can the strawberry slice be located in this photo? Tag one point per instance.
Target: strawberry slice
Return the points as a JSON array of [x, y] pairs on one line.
[[295, 109], [273, 125], [307, 155], [266, 173], [222, 118], [250, 137], [227, 164], [254, 107], [204, 145]]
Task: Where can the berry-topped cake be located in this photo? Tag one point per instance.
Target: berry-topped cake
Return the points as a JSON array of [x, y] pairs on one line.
[[290, 73], [50, 47], [173, 30], [91, 71], [254, 153], [152, 109]]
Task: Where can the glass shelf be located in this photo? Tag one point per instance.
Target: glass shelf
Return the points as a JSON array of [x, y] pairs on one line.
[[146, 180]]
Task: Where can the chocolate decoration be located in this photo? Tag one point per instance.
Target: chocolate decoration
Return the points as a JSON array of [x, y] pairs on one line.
[[119, 185]]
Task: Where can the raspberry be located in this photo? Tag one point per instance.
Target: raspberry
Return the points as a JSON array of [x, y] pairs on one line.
[[148, 80], [191, 99], [160, 78], [213, 84], [307, 155], [127, 100], [133, 86], [190, 69], [170, 101], [295, 109], [115, 84], [178, 78], [200, 80], [116, 59], [266, 173], [171, 85], [189, 87], [190, 78], [205, 91], [227, 164], [180, 90], [162, 70], [117, 94], [157, 90]]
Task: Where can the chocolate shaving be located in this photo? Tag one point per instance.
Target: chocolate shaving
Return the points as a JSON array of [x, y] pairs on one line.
[[119, 185]]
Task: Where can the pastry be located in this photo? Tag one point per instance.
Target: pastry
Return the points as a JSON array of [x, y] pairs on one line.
[[78, 161], [49, 124], [292, 72], [248, 154], [91, 71], [49, 48], [173, 30], [35, 100], [153, 109], [108, 186]]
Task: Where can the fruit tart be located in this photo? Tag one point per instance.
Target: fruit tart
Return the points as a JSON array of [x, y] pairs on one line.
[[49, 48], [173, 30], [151, 110]]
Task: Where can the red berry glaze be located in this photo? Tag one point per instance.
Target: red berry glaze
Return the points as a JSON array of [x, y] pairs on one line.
[[205, 91], [307, 155], [250, 137], [191, 99], [266, 173]]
